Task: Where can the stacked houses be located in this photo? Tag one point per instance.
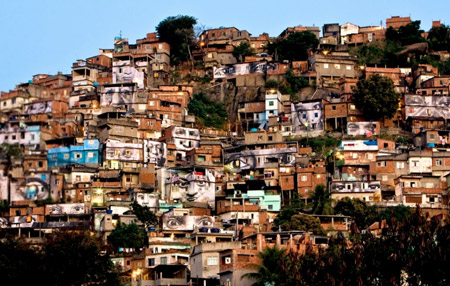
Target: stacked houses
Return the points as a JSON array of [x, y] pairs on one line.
[[79, 149]]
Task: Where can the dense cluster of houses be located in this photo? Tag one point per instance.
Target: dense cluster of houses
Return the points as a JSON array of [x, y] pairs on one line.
[[117, 130]]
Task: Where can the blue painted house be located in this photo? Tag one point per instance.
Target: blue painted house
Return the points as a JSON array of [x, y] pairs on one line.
[[88, 154]]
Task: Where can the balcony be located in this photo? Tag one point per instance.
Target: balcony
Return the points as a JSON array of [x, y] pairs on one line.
[[420, 191], [238, 208]]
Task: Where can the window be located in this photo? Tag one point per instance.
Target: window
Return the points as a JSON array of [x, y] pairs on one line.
[[270, 207], [22, 135], [400, 165], [210, 56], [78, 178], [325, 66], [438, 162], [412, 184], [333, 107], [201, 158], [352, 107], [32, 137], [163, 260], [152, 103], [270, 138], [271, 103], [213, 260], [66, 156], [56, 181], [382, 164], [77, 155], [384, 178], [338, 67], [349, 67], [355, 155], [91, 155], [40, 164], [304, 178], [13, 137]]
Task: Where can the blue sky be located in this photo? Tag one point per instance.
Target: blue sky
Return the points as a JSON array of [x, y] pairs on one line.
[[47, 36]]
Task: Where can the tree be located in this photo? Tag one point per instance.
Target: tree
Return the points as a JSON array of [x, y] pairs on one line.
[[444, 67], [268, 270], [303, 222], [72, 258], [412, 252], [406, 35], [207, 112], [363, 214], [286, 213], [376, 97], [398, 213], [19, 264], [295, 47], [292, 84], [242, 51], [371, 54], [439, 38], [178, 32], [321, 199], [64, 258], [144, 214], [128, 236]]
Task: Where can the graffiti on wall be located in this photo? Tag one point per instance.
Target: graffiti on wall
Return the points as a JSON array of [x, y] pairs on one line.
[[32, 189], [124, 73], [155, 153], [198, 186], [123, 151], [186, 222], [186, 139], [63, 209], [147, 199], [23, 221], [117, 95], [3, 186], [355, 187], [244, 69], [362, 128], [39, 107], [433, 106], [307, 116], [252, 159]]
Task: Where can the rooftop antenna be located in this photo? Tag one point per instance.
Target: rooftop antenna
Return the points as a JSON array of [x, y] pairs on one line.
[[120, 34]]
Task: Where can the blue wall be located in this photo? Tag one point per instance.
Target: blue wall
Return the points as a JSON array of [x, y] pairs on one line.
[[87, 154]]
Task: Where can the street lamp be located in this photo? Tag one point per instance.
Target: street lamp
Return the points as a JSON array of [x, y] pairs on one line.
[[137, 276]]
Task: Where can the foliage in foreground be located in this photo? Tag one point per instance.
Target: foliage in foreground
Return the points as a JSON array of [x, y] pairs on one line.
[[414, 252], [64, 259]]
